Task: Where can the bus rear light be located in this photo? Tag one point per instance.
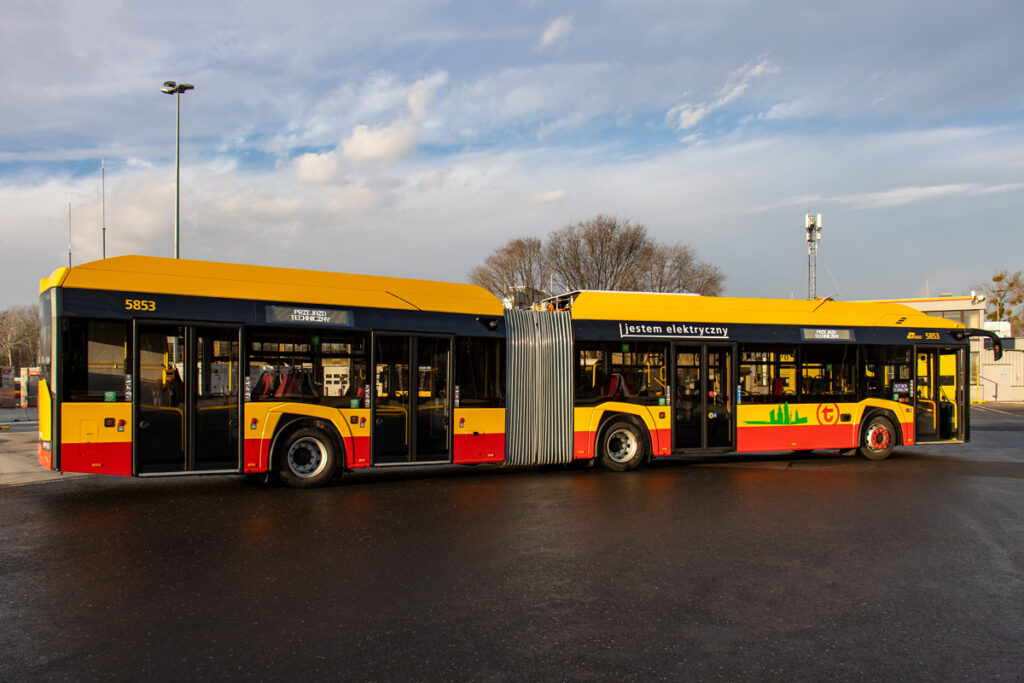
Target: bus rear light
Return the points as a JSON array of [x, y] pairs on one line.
[[362, 422], [252, 423], [462, 422], [120, 425]]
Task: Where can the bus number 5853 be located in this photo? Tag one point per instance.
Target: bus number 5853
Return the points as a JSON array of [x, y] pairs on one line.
[[139, 305]]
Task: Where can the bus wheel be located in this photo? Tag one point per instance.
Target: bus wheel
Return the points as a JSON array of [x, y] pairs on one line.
[[622, 446], [879, 438], [307, 458]]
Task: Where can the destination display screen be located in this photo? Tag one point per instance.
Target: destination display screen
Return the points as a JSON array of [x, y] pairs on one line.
[[826, 334], [312, 315]]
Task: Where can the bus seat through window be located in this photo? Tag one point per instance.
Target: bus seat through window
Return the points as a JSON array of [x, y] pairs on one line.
[[266, 385], [296, 384]]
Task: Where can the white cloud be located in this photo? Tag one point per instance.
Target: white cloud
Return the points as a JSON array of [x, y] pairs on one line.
[[790, 110], [419, 100], [549, 128], [689, 115], [550, 196], [556, 33], [318, 169], [433, 179], [384, 143], [389, 143], [901, 196]]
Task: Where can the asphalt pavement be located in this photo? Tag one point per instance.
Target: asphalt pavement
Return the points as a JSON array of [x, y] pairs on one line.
[[737, 568], [19, 447]]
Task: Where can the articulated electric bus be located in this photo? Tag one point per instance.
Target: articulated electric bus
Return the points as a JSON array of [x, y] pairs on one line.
[[154, 366]]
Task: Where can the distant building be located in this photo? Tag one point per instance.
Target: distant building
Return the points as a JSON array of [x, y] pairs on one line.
[[991, 380]]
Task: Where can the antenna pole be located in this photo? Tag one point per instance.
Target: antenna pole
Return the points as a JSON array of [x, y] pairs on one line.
[[69, 231], [813, 228]]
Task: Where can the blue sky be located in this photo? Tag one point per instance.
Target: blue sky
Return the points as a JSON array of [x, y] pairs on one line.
[[414, 138]]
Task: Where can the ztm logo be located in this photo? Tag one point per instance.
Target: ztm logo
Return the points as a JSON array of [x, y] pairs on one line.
[[828, 414]]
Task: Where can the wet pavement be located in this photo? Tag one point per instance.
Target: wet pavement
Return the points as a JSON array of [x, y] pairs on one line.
[[816, 568]]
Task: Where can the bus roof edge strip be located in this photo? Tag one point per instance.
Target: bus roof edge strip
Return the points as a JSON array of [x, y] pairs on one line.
[[56, 279]]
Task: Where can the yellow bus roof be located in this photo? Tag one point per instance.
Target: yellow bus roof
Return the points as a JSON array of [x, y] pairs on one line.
[[157, 275], [691, 308]]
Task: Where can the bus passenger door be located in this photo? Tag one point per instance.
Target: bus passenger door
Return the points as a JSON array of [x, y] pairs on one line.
[[704, 398], [391, 400], [411, 410], [216, 415], [721, 395], [159, 390], [186, 398], [939, 395], [688, 404]]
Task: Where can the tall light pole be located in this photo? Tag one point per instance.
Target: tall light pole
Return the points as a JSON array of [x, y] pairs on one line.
[[103, 190], [813, 228], [172, 88]]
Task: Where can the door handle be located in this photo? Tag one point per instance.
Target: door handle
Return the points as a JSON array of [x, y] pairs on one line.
[[379, 421], [232, 423], [143, 424]]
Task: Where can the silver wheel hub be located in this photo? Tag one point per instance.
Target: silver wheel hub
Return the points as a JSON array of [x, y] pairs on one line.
[[307, 457], [620, 445]]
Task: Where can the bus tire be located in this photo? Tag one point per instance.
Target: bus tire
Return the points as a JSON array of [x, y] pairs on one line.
[[878, 438], [307, 457], [622, 446]]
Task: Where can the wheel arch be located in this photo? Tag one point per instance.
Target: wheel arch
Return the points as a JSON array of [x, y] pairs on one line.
[[873, 412], [610, 416], [290, 422]]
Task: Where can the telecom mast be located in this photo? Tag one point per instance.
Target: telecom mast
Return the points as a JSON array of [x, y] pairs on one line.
[[813, 227]]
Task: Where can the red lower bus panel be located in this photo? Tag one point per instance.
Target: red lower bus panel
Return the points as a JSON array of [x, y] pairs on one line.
[[476, 448], [583, 445], [661, 442], [804, 437], [256, 452], [97, 458], [357, 452], [45, 458]]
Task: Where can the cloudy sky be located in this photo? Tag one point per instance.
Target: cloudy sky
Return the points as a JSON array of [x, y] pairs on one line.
[[413, 138]]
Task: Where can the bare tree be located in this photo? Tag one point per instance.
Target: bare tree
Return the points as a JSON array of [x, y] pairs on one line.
[[516, 271], [676, 268], [19, 335], [602, 253], [1004, 291]]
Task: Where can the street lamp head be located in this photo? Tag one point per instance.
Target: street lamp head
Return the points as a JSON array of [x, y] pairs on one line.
[[172, 88]]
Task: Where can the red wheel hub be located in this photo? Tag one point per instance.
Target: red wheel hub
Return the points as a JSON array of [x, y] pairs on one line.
[[879, 438]]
